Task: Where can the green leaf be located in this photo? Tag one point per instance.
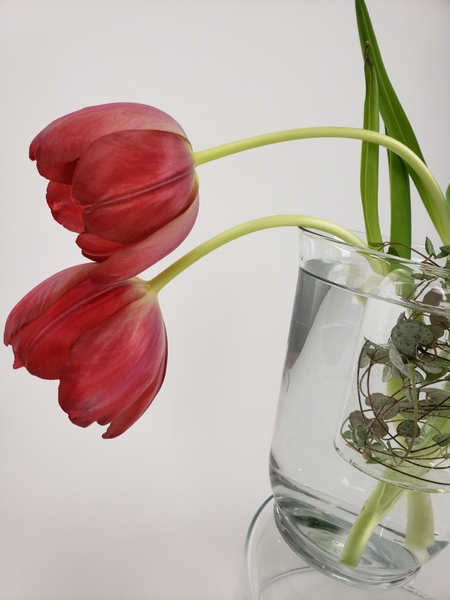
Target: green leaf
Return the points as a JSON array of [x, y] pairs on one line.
[[393, 251], [391, 110], [408, 429], [429, 247], [442, 439], [369, 159], [400, 196]]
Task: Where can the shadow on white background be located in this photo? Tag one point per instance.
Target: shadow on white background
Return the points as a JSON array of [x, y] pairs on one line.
[[161, 513]]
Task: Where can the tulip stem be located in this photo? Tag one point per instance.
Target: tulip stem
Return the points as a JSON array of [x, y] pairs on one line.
[[435, 204], [163, 278]]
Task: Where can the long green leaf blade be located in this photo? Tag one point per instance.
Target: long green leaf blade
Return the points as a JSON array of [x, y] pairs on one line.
[[370, 158], [391, 110], [397, 123], [400, 197]]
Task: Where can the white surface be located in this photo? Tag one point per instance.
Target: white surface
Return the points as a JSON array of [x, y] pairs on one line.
[[161, 513]]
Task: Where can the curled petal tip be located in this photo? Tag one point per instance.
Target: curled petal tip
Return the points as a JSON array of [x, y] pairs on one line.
[[18, 361], [64, 210], [128, 417]]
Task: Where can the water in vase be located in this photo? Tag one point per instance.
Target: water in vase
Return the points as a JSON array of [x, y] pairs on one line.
[[319, 482]]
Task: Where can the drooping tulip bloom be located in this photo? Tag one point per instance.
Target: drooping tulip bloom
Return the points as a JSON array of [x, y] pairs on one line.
[[105, 342], [123, 177]]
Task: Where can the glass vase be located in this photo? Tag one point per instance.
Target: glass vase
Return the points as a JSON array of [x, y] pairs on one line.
[[273, 571], [360, 461]]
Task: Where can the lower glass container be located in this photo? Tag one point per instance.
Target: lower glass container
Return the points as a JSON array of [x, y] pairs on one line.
[[273, 571]]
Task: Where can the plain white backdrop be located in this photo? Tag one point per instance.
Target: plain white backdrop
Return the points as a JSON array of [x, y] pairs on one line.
[[161, 513]]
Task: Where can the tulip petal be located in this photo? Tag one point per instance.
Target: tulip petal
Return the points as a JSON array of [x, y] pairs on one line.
[[45, 343], [64, 210], [130, 415], [58, 147], [58, 172], [111, 365], [135, 258], [131, 183], [97, 248], [42, 297]]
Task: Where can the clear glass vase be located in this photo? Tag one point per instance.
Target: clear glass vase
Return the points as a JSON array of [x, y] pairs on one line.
[[272, 571], [360, 460]]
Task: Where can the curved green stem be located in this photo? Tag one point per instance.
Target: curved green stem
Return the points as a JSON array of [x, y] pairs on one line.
[[436, 205], [163, 278]]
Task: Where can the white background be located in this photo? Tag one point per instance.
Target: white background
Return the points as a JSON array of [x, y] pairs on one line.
[[161, 513]]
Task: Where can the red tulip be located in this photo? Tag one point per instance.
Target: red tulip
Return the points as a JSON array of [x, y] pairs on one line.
[[105, 342], [123, 177]]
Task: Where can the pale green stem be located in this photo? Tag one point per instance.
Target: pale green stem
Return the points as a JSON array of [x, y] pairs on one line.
[[420, 523], [437, 208], [163, 278], [415, 399], [376, 507]]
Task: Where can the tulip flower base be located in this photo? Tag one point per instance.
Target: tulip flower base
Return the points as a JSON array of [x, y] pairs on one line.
[[359, 461]]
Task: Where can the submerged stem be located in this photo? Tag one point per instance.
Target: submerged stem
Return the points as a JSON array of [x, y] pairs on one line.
[[376, 507], [420, 523]]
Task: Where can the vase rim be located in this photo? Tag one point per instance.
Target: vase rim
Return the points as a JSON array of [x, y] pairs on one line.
[[376, 274], [419, 249]]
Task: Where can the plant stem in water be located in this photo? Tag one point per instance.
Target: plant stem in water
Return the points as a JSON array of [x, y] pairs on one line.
[[376, 507]]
